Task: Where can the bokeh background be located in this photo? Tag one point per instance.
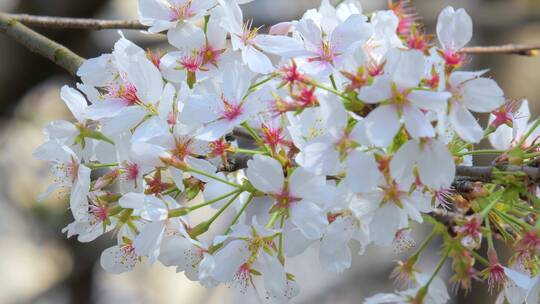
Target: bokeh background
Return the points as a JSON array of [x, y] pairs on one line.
[[39, 265]]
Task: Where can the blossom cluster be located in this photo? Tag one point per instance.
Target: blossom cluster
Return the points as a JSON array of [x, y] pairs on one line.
[[336, 128]]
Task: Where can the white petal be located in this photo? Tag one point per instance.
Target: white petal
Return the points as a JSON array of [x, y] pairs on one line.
[[166, 101], [465, 124], [170, 68], [201, 165], [482, 95], [309, 218], [174, 250], [280, 45], [132, 200], [521, 280], [385, 223], [265, 174], [385, 298], [257, 61], [502, 138], [229, 259], [275, 278], [382, 124], [319, 156], [200, 109], [406, 67], [363, 174], [150, 10], [436, 165], [380, 90], [75, 101], [115, 260], [148, 154], [302, 183], [186, 37], [153, 127], [311, 34], [236, 82], [145, 76], [148, 242], [429, 100], [78, 201], [351, 33], [402, 163], [334, 254], [126, 119], [60, 129], [295, 243], [105, 109], [154, 209], [416, 122], [454, 28]]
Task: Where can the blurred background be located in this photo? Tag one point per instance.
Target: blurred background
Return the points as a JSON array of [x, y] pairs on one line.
[[39, 265]]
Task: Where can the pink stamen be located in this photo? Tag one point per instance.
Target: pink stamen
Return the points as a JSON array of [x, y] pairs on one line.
[[231, 110]]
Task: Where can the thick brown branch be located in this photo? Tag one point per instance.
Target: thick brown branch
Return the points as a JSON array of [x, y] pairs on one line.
[[511, 49], [40, 44], [486, 173], [77, 23]]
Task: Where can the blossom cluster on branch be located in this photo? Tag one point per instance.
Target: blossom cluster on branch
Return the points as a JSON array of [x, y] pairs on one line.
[[356, 125]]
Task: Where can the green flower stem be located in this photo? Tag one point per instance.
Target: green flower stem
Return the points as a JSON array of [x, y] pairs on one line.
[[513, 220], [529, 132], [280, 241], [239, 213], [437, 269], [248, 151], [255, 136], [424, 244], [258, 84], [98, 166], [532, 155], [172, 190], [489, 235], [184, 210], [331, 90], [478, 257], [204, 226], [492, 203], [333, 81], [272, 220], [193, 170]]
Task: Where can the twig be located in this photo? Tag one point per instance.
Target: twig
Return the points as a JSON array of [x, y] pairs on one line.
[[76, 23], [511, 49], [40, 44]]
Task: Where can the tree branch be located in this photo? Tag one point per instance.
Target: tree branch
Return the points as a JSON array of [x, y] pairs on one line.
[[510, 49], [77, 23], [485, 173], [97, 24], [40, 44]]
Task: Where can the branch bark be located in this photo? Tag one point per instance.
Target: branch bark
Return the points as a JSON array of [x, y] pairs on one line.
[[39, 44], [485, 173], [77, 23], [510, 49]]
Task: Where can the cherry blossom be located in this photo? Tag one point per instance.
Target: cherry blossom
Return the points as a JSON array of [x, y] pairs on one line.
[[342, 129]]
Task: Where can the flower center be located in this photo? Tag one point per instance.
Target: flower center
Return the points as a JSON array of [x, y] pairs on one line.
[[181, 12], [130, 171], [231, 110]]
